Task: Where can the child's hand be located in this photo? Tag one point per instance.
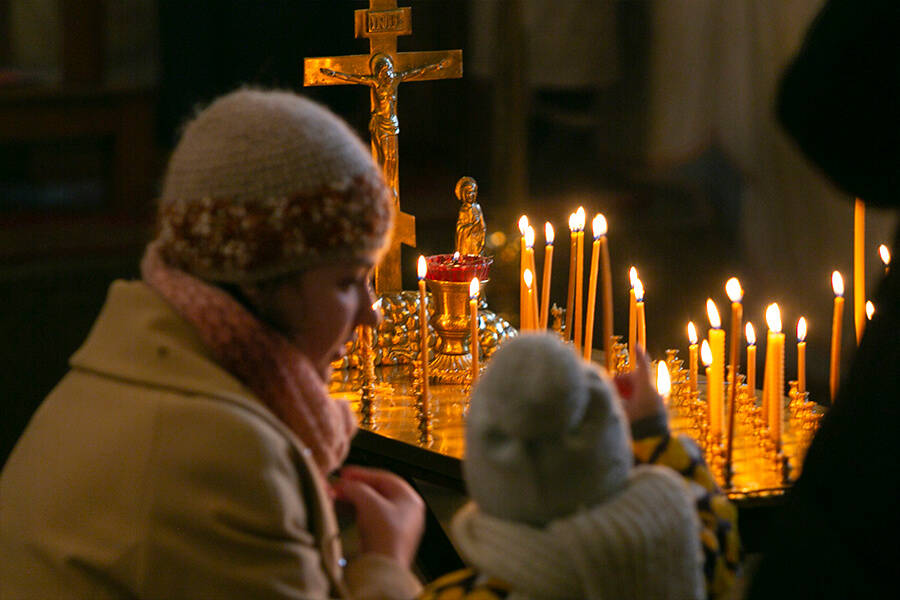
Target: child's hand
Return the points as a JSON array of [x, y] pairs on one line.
[[639, 396]]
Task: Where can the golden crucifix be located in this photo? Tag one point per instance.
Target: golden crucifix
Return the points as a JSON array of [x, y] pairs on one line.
[[383, 69]]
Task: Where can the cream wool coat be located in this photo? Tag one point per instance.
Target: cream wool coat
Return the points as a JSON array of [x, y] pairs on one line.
[[150, 472]]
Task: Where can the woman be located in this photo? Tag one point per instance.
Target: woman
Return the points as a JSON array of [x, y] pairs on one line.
[[187, 452]]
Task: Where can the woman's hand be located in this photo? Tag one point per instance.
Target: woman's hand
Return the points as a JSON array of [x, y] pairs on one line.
[[639, 396], [390, 515]]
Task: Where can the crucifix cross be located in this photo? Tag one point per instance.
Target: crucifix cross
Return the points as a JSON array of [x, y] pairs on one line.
[[383, 69]]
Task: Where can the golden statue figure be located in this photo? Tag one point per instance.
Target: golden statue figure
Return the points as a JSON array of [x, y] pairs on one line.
[[384, 127], [470, 229]]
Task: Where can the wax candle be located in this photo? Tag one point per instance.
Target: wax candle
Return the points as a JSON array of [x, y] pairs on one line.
[[735, 294], [707, 359], [692, 356], [801, 355], [529, 245], [837, 284], [596, 225], [716, 371], [632, 318], [473, 325], [606, 271], [570, 299], [663, 380], [775, 378], [751, 359], [528, 316], [423, 332], [548, 266], [641, 327], [579, 277], [885, 257], [859, 268], [523, 264]]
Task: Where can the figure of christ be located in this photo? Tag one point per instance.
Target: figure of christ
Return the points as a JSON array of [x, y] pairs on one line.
[[384, 127]]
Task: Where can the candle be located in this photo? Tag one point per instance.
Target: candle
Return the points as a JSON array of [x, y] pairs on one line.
[[579, 277], [775, 373], [570, 299], [692, 353], [632, 318], [423, 332], [716, 372], [598, 226], [641, 328], [706, 358], [859, 267], [528, 316], [523, 264], [663, 380], [606, 271], [529, 247], [735, 294], [837, 284], [870, 310], [885, 257], [801, 355], [473, 324], [548, 266], [751, 359]]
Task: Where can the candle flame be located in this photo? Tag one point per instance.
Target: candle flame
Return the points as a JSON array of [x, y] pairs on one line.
[[773, 318], [837, 284], [423, 267], [750, 333], [713, 313], [801, 330], [548, 233], [529, 236], [474, 285], [885, 254], [599, 226], [573, 222], [376, 305], [456, 256], [582, 219], [528, 278], [638, 290], [870, 309], [733, 289], [692, 333], [663, 381], [523, 224], [632, 275], [705, 354]]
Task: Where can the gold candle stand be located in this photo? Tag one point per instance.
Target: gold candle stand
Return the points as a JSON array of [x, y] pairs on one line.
[[452, 362]]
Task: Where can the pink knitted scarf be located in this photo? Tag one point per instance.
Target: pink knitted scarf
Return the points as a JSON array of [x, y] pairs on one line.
[[279, 375]]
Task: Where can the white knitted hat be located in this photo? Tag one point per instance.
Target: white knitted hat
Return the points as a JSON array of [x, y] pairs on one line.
[[264, 183], [545, 435]]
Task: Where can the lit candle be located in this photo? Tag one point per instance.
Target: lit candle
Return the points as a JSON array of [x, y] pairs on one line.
[[801, 355], [663, 381], [885, 257], [641, 328], [606, 271], [859, 268], [716, 372], [570, 299], [774, 373], [632, 318], [870, 310], [706, 359], [529, 247], [579, 277], [423, 332], [598, 228], [735, 294], [837, 284], [751, 359], [692, 353], [473, 323], [548, 266], [528, 307], [523, 264]]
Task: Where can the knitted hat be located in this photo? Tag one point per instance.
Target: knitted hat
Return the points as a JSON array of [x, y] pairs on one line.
[[545, 435], [264, 183]]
